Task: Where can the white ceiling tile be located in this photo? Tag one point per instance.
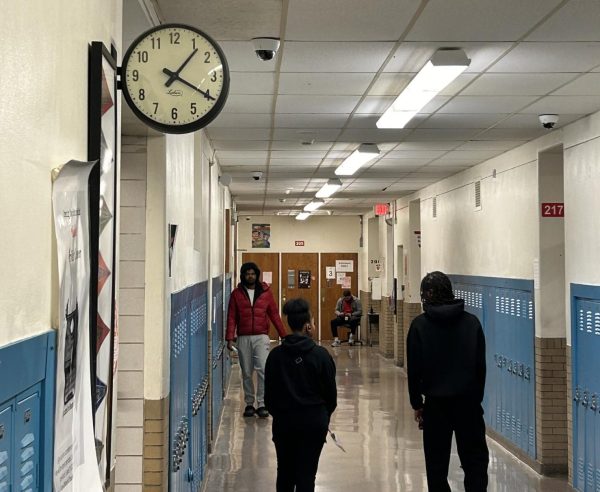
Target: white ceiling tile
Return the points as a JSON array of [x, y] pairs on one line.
[[372, 136], [409, 144], [390, 84], [586, 85], [242, 154], [576, 21], [565, 104], [490, 145], [378, 104], [316, 104], [334, 57], [490, 20], [318, 134], [252, 83], [370, 121], [293, 154], [512, 133], [298, 146], [344, 20], [550, 57], [412, 56], [426, 154], [236, 162], [458, 84], [238, 133], [501, 84], [532, 121], [241, 120], [325, 83], [242, 145], [248, 104], [452, 134], [241, 57], [486, 104], [454, 120], [311, 120]]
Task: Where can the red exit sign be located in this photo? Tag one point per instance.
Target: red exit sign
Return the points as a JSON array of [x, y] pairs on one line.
[[553, 209], [382, 209], [298, 243]]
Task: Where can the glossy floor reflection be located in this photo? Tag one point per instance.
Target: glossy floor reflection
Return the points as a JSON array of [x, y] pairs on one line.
[[374, 422]]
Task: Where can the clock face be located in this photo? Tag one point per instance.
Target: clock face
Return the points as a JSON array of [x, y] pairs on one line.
[[175, 78]]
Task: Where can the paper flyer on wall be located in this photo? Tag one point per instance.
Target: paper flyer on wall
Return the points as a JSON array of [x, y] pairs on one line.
[[75, 464]]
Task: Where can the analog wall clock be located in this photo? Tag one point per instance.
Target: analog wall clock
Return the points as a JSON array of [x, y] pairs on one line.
[[175, 78]]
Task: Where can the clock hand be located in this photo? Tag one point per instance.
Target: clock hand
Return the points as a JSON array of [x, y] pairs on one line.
[[183, 81], [175, 74]]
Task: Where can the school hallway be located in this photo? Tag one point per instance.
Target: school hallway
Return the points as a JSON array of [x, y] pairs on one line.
[[375, 425]]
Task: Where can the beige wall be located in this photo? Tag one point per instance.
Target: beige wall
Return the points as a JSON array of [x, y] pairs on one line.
[[43, 125]]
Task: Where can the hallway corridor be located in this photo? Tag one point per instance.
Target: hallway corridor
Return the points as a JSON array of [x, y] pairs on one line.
[[375, 425]]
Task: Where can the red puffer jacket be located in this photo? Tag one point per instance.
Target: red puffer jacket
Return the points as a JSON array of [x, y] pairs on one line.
[[252, 319]]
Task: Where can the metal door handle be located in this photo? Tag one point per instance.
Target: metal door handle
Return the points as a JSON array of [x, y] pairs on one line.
[[577, 396]]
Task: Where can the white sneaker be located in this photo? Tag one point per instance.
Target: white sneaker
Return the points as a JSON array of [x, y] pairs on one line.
[[336, 343], [351, 340]]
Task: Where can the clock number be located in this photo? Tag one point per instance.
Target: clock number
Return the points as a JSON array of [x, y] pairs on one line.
[[142, 56], [213, 76], [155, 107], [193, 108], [207, 57], [174, 37], [155, 43], [142, 94], [174, 113], [135, 75]]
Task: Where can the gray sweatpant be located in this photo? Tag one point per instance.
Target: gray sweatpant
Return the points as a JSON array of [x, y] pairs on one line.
[[253, 351]]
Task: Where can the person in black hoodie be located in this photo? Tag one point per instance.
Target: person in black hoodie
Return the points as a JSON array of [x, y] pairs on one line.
[[300, 395], [446, 365]]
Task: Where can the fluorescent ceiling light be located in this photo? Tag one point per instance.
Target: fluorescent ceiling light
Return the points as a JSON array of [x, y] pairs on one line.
[[303, 216], [445, 65], [358, 158], [329, 188], [314, 205]]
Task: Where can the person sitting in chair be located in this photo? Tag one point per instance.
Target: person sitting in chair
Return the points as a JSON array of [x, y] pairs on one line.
[[347, 312]]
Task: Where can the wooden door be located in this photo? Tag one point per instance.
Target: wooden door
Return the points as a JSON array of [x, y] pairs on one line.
[[300, 278], [331, 291], [267, 263]]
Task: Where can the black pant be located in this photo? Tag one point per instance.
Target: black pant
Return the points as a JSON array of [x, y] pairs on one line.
[[464, 417], [340, 321], [298, 446]]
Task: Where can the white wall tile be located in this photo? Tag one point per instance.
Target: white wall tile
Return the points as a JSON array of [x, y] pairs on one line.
[[128, 488], [133, 166], [130, 413], [131, 329], [132, 274], [131, 301], [133, 193], [129, 470], [132, 247], [130, 441], [131, 384], [131, 356], [133, 220]]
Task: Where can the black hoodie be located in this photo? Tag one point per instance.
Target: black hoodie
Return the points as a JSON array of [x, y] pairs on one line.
[[299, 377], [445, 354]]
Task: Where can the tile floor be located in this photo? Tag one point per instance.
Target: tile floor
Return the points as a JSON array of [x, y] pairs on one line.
[[374, 422]]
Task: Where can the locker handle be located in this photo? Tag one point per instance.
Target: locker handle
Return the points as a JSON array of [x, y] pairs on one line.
[[594, 404], [585, 401], [577, 396]]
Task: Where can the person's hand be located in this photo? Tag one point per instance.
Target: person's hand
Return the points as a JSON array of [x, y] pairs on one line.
[[419, 417], [230, 345]]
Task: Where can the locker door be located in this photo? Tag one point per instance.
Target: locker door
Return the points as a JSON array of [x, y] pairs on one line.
[[6, 425], [27, 440], [217, 354]]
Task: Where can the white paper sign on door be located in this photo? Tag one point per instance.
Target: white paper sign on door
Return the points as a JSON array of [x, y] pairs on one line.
[[267, 277], [329, 273], [344, 265], [347, 282], [340, 276]]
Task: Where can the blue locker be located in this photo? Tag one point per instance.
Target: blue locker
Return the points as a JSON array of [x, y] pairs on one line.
[[226, 354], [6, 439], [217, 354], [27, 439], [585, 329]]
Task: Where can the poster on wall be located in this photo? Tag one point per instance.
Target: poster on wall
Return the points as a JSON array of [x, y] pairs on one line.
[[347, 282], [261, 235], [304, 279], [267, 277], [75, 464], [330, 273], [102, 146]]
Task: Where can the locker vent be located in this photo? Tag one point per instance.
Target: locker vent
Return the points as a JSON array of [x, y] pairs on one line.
[[434, 207], [478, 195]]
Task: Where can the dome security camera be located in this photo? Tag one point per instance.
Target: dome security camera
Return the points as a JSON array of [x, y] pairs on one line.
[[265, 48], [256, 175], [548, 120]]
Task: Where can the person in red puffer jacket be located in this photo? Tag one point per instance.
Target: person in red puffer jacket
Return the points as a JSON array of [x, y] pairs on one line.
[[251, 307]]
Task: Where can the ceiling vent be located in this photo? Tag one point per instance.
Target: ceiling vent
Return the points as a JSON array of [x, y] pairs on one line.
[[478, 194], [434, 207]]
